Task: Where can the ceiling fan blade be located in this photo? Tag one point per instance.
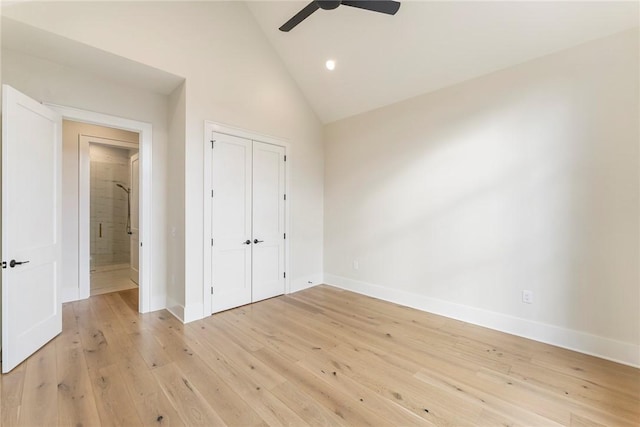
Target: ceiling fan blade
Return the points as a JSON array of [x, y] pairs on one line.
[[384, 6], [300, 16]]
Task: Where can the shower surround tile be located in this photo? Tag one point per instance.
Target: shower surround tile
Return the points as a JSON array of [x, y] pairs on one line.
[[109, 167]]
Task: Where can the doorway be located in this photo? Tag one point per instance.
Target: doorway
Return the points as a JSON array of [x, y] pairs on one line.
[[113, 214], [140, 172]]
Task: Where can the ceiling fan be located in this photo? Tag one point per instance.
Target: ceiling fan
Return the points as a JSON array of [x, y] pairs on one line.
[[383, 6]]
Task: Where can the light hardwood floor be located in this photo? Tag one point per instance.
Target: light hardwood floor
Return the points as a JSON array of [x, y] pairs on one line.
[[317, 357]]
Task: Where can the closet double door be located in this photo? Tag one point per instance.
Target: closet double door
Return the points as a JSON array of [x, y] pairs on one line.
[[248, 221]]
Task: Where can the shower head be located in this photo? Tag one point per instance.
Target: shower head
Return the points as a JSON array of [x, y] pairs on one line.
[[124, 188]]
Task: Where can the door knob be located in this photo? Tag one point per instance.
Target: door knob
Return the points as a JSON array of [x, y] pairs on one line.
[[248, 242], [13, 263], [258, 241]]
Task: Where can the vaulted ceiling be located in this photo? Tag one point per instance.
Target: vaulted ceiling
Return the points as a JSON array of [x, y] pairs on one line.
[[426, 46], [381, 59]]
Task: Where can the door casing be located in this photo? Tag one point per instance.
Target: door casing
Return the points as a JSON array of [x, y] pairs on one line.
[[209, 127], [146, 185]]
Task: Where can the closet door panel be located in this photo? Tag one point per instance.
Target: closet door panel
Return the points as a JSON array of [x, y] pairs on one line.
[[231, 222], [268, 221]]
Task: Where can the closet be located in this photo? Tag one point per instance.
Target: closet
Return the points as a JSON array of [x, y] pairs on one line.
[[248, 237]]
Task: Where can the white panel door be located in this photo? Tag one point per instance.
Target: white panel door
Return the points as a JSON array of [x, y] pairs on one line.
[[134, 226], [231, 222], [31, 226], [268, 221]]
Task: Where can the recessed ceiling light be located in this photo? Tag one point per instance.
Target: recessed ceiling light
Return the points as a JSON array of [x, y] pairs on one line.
[[330, 64]]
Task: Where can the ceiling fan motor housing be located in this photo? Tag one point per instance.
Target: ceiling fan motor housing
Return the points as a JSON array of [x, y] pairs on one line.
[[328, 4]]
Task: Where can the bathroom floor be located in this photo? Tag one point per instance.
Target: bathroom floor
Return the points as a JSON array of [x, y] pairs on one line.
[[112, 278]]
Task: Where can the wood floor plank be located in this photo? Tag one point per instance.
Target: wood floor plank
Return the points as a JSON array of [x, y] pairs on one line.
[[40, 395], [338, 401], [272, 410], [128, 317], [584, 392], [115, 404], [12, 387], [306, 407], [149, 348], [154, 409], [328, 369], [189, 403], [76, 403], [319, 357], [389, 378], [238, 367]]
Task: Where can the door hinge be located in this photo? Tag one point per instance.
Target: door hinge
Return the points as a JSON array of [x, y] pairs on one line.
[[4, 264], [285, 197], [212, 142], [212, 290], [285, 158], [211, 193], [285, 236], [212, 241], [285, 275]]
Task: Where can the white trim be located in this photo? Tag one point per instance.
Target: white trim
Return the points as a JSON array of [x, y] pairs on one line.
[[244, 133], [617, 351], [145, 151], [210, 127], [112, 142], [176, 309], [84, 220]]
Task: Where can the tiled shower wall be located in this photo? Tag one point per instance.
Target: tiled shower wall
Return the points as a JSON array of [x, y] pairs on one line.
[[109, 166]]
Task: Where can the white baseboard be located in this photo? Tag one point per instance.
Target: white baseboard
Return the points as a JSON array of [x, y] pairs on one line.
[[185, 313], [617, 351], [176, 309]]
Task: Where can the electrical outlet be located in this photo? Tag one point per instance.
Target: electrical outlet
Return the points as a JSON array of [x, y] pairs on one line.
[[527, 297], [355, 265]]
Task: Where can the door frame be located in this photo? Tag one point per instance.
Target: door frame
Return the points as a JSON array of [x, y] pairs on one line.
[[146, 186], [84, 206], [209, 127]]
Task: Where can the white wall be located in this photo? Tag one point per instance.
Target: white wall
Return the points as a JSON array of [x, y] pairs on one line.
[[234, 77], [527, 178], [175, 199], [47, 81]]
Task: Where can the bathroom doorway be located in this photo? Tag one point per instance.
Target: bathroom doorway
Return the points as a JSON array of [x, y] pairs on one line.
[[81, 129], [113, 217]]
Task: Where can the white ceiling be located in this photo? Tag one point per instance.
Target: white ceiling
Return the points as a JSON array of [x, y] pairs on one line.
[[426, 46]]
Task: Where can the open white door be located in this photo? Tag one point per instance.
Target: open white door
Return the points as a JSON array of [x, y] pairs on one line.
[[31, 226], [134, 228]]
